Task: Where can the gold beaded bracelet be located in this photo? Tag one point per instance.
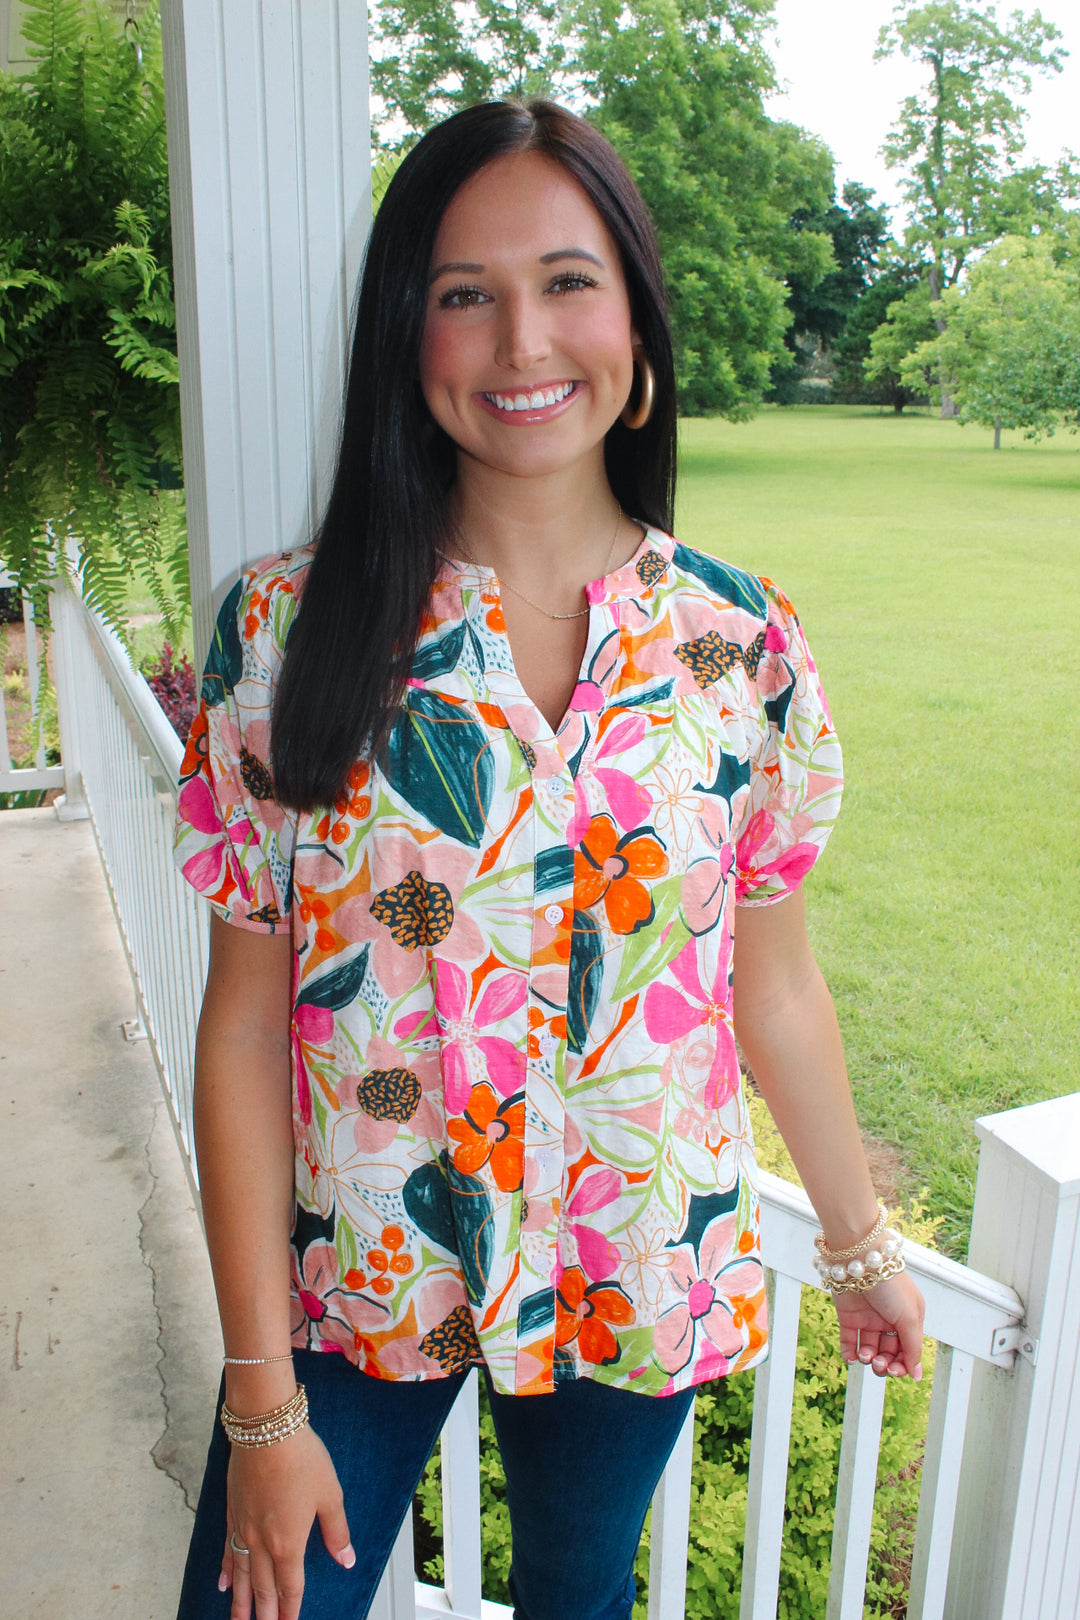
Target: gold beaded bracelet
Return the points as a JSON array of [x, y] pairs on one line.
[[861, 1267], [267, 1428]]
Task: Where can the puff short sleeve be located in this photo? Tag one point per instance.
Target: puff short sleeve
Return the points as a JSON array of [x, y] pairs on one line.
[[233, 842], [796, 769]]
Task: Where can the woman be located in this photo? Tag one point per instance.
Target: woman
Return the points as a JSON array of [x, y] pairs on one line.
[[474, 893]]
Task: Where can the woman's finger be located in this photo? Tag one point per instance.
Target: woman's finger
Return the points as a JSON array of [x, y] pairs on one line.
[[225, 1579], [241, 1583], [263, 1585], [335, 1533]]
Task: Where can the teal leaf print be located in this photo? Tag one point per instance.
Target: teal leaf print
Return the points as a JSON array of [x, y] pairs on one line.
[[554, 869], [702, 1213], [535, 1312], [586, 977], [225, 660], [426, 1197], [730, 583], [440, 763], [455, 1212], [337, 988], [649, 699], [440, 656], [731, 775]]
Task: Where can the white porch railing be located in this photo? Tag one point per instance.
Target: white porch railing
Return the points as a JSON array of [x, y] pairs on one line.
[[26, 778], [1015, 1445]]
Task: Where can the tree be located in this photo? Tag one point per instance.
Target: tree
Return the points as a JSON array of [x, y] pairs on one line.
[[909, 321], [959, 139], [677, 87], [857, 230], [851, 353], [437, 56], [1011, 340], [89, 396]]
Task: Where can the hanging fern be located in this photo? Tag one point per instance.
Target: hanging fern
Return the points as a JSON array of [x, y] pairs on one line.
[[89, 400]]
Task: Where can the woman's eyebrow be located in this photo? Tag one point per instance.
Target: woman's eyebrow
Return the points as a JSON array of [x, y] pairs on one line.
[[456, 268], [571, 253]]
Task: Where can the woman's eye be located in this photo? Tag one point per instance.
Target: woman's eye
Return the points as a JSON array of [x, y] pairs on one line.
[[461, 297], [572, 281]]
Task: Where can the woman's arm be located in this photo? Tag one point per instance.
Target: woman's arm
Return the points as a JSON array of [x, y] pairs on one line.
[[243, 1134], [786, 1025]]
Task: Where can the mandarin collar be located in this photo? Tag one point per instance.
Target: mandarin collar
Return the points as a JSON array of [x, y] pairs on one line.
[[619, 586]]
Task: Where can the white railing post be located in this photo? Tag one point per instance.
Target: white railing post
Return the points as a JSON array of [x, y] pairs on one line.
[[71, 806], [1016, 1546]]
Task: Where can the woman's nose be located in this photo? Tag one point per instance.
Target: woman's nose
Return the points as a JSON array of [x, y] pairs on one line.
[[522, 339]]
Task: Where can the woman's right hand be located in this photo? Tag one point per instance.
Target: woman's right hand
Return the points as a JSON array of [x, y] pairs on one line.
[[274, 1494]]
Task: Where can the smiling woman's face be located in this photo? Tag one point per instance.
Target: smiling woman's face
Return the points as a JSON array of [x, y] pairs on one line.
[[527, 356]]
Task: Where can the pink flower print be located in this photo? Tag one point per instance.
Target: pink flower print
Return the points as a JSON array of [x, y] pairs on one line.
[[670, 1017], [704, 890], [627, 801], [312, 1284], [587, 697], [790, 865], [704, 1308], [498, 1060], [598, 1257], [198, 807]]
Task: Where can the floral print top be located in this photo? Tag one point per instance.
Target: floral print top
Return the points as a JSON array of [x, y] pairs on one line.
[[520, 1131]]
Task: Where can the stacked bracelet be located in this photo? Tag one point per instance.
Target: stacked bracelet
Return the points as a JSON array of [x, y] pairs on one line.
[[853, 1271], [267, 1428], [254, 1361]]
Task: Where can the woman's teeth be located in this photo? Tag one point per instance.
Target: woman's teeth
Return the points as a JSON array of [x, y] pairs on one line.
[[531, 402]]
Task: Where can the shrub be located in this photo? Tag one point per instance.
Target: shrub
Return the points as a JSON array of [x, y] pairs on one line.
[[172, 681]]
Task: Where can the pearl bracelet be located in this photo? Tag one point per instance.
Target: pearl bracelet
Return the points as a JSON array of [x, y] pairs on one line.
[[267, 1428], [861, 1267]]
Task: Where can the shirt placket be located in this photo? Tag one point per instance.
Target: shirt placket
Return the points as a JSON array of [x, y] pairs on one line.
[[545, 1107]]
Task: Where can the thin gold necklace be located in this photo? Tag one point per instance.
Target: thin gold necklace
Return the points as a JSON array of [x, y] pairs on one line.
[[580, 614]]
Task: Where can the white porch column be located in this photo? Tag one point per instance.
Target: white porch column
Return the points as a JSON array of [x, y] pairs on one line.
[[1016, 1548], [270, 181]]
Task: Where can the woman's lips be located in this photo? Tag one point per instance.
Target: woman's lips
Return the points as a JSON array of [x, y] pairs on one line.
[[524, 413]]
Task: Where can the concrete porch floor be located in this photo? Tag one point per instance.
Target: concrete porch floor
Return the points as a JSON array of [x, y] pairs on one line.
[[110, 1344]]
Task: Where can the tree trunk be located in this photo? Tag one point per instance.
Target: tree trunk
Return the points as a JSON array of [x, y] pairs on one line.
[[997, 432], [948, 404]]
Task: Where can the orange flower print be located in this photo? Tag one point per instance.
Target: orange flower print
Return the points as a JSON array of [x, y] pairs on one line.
[[588, 1313], [609, 868], [491, 1132]]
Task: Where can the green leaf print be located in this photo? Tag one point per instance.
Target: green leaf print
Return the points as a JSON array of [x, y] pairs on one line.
[[337, 988], [225, 660], [440, 763], [345, 1243], [645, 955]]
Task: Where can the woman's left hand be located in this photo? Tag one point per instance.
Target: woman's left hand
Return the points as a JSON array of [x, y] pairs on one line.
[[884, 1327]]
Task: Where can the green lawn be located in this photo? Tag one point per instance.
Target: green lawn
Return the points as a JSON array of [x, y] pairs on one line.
[[939, 584]]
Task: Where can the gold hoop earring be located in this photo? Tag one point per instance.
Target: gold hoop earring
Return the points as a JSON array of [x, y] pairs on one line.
[[638, 418]]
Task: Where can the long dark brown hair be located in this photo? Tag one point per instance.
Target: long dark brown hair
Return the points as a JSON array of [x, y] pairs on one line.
[[351, 644]]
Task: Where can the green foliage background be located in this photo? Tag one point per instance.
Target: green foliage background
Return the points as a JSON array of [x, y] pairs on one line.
[[89, 397]]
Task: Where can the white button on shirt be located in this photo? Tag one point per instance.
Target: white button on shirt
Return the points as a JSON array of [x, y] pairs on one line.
[[557, 785], [548, 1045], [553, 915]]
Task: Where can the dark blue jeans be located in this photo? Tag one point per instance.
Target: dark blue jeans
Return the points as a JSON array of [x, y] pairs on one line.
[[581, 1466]]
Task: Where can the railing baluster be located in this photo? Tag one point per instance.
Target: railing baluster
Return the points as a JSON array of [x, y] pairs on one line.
[[670, 1530], [940, 1480], [770, 1436], [462, 1558], [855, 1493], [395, 1598]]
